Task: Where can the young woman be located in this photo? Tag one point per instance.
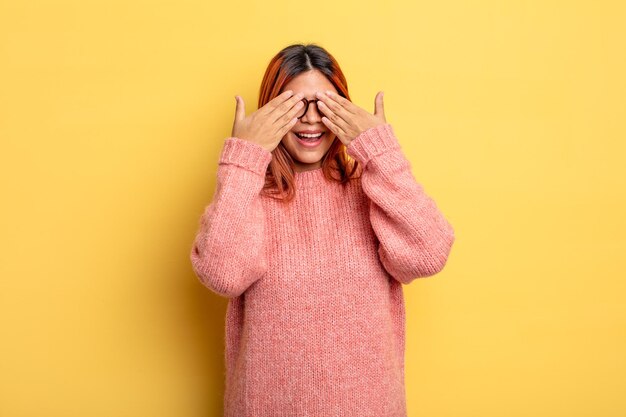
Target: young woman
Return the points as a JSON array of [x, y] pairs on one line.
[[311, 238]]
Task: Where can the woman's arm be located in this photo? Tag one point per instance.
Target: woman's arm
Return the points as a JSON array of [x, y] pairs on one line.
[[415, 238], [227, 253]]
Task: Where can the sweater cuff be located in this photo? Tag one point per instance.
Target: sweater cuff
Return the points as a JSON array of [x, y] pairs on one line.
[[246, 154], [372, 142]]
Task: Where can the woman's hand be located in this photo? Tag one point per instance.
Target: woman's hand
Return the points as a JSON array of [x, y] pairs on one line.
[[269, 124], [347, 120]]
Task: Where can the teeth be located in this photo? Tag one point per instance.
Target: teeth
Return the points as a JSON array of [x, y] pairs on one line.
[[305, 135]]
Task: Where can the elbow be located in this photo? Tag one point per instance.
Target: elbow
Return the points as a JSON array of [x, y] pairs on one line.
[[433, 260], [433, 257], [226, 277], [420, 261], [216, 283]]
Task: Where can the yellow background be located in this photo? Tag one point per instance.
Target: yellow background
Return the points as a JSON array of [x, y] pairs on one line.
[[112, 116]]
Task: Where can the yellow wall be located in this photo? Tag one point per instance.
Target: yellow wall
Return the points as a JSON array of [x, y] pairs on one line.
[[112, 115]]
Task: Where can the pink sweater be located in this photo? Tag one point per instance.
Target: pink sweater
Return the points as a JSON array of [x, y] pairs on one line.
[[315, 323]]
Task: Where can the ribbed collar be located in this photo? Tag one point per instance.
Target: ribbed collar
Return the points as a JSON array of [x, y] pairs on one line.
[[310, 178]]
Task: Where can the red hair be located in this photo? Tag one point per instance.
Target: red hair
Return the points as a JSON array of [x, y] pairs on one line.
[[337, 165]]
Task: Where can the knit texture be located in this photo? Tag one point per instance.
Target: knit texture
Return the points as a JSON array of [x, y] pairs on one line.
[[315, 322]]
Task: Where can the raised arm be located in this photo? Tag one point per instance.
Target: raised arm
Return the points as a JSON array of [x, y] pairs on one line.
[[227, 253], [415, 238]]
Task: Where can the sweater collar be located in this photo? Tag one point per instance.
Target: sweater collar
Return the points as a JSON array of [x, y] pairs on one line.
[[310, 178]]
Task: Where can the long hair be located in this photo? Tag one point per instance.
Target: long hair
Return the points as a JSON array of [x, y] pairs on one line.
[[291, 61]]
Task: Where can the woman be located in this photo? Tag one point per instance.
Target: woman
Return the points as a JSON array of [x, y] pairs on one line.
[[311, 239]]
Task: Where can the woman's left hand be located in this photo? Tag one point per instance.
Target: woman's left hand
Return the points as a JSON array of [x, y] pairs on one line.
[[347, 120]]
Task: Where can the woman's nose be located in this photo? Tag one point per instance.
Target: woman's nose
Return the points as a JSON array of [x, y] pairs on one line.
[[312, 113]]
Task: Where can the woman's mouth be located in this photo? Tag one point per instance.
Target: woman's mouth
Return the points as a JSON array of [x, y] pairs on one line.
[[310, 141]]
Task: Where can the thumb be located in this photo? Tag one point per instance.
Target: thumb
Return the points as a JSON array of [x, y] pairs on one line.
[[240, 110], [379, 107]]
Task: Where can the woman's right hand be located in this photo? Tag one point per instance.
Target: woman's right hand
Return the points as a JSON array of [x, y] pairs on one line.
[[269, 124]]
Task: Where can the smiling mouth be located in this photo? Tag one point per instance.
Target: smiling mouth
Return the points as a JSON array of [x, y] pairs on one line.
[[312, 141], [310, 137]]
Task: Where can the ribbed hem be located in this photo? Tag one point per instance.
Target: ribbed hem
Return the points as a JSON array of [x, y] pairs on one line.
[[372, 142], [246, 154]]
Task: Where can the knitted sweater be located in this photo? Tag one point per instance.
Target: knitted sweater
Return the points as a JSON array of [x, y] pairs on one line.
[[315, 321]]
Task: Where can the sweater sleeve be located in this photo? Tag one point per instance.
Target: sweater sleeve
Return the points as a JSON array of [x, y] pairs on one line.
[[414, 237], [227, 253]]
